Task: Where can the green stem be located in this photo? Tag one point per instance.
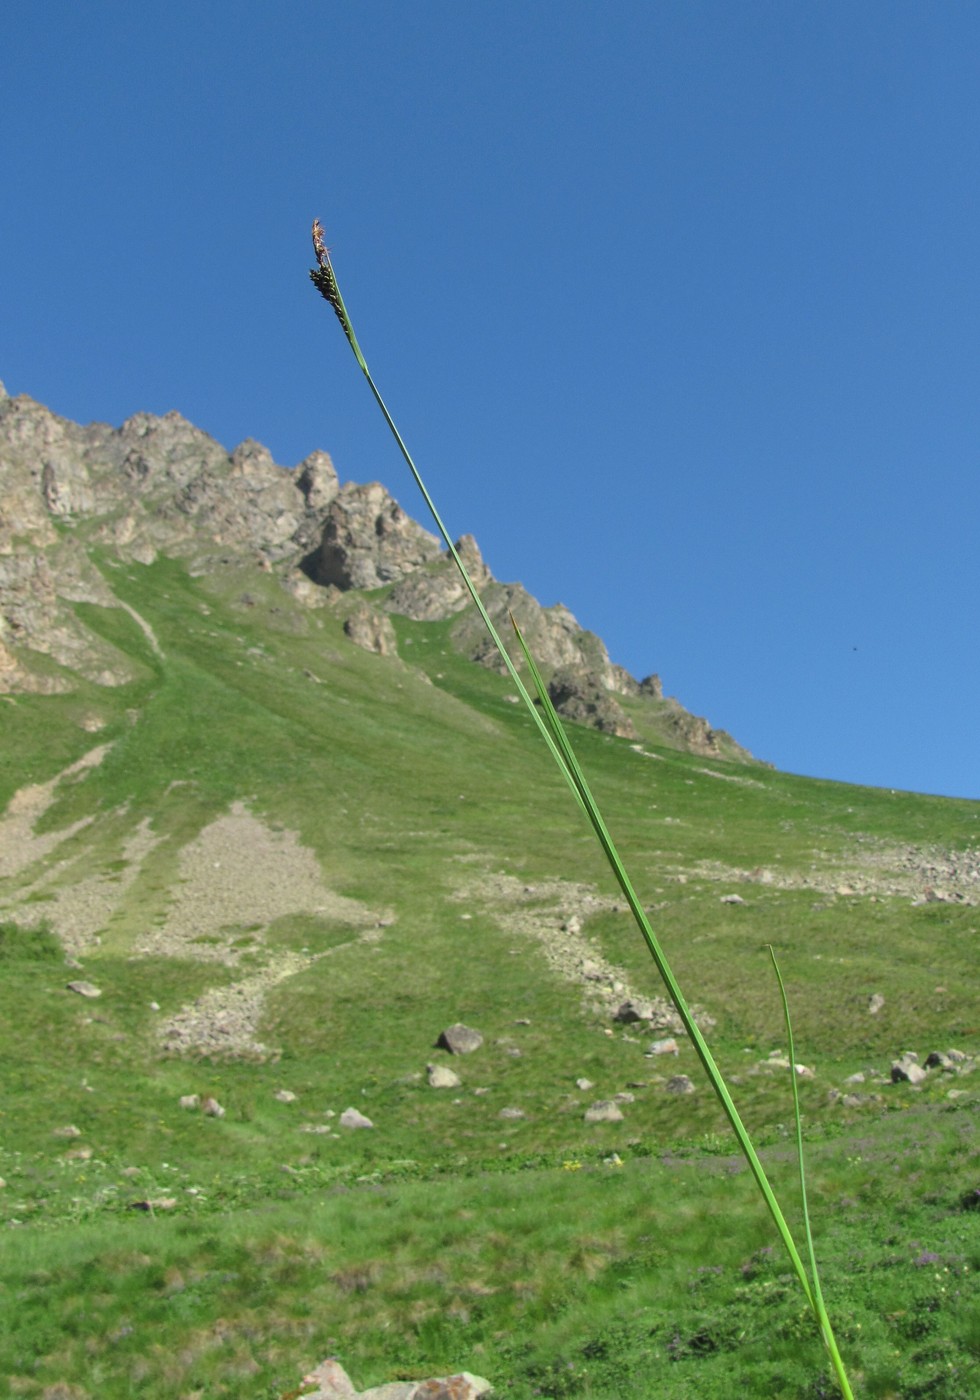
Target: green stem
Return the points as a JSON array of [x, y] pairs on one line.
[[554, 734], [820, 1311]]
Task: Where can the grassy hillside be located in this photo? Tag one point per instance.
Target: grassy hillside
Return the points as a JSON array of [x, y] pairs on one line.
[[307, 861]]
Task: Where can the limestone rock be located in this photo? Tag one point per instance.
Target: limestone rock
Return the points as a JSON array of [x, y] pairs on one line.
[[316, 477], [680, 1084], [368, 540], [371, 630], [460, 1039], [333, 1383], [441, 1077], [657, 1011], [436, 591], [907, 1070], [85, 989], [351, 1118], [604, 1111], [579, 695]]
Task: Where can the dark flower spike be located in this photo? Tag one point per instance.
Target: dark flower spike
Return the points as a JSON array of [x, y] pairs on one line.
[[322, 277]]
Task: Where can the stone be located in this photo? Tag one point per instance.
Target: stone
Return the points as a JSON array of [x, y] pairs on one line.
[[442, 1077], [352, 1118], [604, 1111], [907, 1069], [371, 631], [462, 1386], [68, 1131], [680, 1084], [514, 1113], [460, 1040], [284, 1096], [333, 1383], [875, 1003], [732, 899], [316, 477], [579, 695], [368, 540], [584, 1084], [667, 1046], [437, 591], [190, 1101], [84, 989], [634, 1010]]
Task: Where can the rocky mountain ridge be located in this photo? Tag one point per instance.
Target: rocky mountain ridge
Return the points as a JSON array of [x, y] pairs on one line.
[[160, 486]]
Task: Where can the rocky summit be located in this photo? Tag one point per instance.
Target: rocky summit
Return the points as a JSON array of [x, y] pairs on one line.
[[77, 501]]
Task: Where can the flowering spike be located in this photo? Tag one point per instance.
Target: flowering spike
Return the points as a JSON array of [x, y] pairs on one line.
[[322, 277]]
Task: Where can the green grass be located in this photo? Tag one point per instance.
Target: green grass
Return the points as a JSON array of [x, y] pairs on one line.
[[470, 1244], [657, 1276]]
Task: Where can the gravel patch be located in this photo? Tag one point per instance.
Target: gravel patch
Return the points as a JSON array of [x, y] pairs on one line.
[[19, 846], [552, 912]]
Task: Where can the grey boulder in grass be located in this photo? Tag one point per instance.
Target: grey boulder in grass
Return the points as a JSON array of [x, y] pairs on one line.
[[333, 1383], [460, 1039]]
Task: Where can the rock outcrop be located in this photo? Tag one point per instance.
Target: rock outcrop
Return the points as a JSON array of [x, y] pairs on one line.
[[368, 540], [160, 486], [580, 696]]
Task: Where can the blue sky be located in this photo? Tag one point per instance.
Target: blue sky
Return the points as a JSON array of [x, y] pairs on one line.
[[677, 305]]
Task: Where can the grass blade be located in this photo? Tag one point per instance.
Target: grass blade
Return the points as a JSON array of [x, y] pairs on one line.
[[551, 728]]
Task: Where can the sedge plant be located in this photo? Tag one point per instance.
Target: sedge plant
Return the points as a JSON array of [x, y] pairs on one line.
[[554, 735]]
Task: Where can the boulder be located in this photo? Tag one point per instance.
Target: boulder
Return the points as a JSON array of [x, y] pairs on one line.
[[907, 1070], [680, 1084], [333, 1383], [351, 1118], [371, 630], [460, 1039], [441, 1077], [604, 1111]]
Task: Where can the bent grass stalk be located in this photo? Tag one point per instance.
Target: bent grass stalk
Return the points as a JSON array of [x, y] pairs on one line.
[[553, 732]]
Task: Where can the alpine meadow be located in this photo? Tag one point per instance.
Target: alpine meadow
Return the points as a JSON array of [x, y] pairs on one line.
[[327, 1029]]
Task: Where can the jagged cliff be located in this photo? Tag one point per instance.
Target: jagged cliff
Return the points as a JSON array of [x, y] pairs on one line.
[[71, 494]]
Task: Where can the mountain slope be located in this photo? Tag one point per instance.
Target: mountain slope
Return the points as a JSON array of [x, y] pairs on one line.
[[287, 863], [159, 486]]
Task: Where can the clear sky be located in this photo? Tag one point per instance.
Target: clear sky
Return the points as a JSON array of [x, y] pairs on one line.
[[677, 305]]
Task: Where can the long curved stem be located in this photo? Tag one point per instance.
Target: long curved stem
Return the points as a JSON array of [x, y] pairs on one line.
[[551, 728]]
